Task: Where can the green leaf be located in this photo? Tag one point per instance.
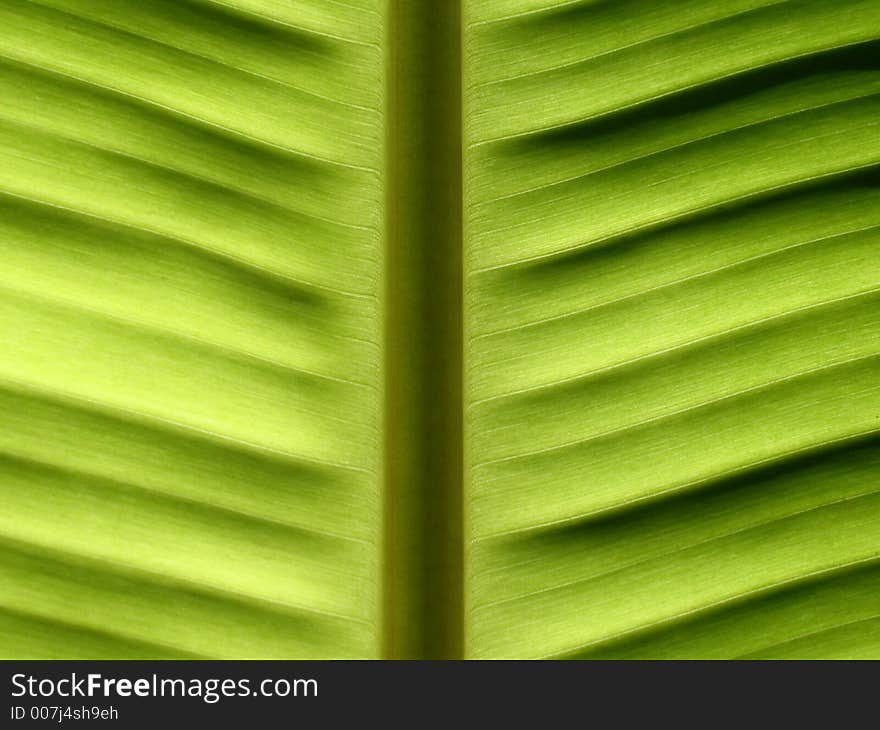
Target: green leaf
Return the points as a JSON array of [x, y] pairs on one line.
[[672, 327], [190, 305], [501, 328]]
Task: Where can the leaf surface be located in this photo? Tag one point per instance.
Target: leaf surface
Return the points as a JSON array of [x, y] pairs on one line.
[[191, 376], [672, 328]]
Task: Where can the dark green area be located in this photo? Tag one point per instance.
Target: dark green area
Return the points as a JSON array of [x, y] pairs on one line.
[[423, 552]]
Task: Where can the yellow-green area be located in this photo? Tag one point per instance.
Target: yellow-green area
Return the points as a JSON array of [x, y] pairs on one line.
[[440, 328], [672, 342]]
